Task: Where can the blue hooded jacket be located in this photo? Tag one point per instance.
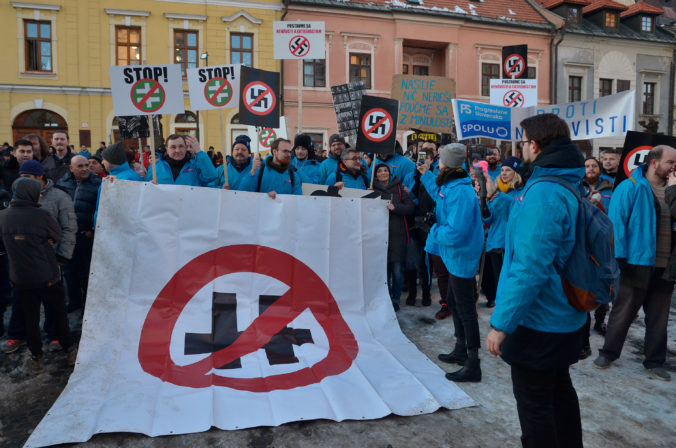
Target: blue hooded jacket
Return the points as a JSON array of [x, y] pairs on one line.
[[540, 236], [308, 170], [457, 236], [632, 211], [399, 165], [273, 180], [235, 177], [124, 172], [327, 167], [199, 171], [500, 208]]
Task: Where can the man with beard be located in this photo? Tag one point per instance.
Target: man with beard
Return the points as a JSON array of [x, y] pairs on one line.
[[275, 175], [610, 159], [350, 172], [23, 151], [240, 164], [304, 159], [642, 226], [56, 165], [185, 164], [493, 159], [328, 166]]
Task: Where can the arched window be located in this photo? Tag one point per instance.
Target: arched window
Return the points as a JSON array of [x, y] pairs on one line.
[[39, 121]]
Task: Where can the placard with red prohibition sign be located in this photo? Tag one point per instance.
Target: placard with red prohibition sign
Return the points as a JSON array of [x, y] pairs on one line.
[[513, 98], [514, 66], [146, 89], [636, 147], [634, 158], [514, 93], [214, 87], [267, 135], [299, 40], [377, 124], [259, 98], [306, 291]]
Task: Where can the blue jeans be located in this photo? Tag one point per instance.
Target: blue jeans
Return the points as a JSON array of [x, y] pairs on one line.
[[395, 280]]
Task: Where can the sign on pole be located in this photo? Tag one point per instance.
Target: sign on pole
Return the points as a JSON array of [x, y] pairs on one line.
[[298, 40], [514, 92], [259, 91], [267, 135], [424, 102], [637, 145], [215, 87], [134, 126], [146, 89], [377, 125], [515, 62], [347, 104]]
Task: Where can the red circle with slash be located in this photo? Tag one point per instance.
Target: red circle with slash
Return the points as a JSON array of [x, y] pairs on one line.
[[367, 127]]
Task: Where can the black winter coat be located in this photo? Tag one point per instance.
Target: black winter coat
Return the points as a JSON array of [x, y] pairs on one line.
[[84, 195], [56, 168], [10, 173], [398, 228]]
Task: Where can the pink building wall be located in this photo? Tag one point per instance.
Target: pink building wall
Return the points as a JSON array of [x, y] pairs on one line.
[[449, 47]]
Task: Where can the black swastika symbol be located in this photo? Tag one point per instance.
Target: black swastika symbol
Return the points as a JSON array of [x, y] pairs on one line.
[[373, 120], [279, 350], [299, 42], [255, 93]]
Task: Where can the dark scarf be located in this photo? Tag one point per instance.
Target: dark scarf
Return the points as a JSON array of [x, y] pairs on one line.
[[561, 153], [240, 166], [177, 165], [280, 169], [446, 175]]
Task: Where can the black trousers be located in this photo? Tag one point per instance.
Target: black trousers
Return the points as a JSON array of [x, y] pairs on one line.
[[442, 276], [54, 299], [460, 298], [492, 267], [76, 271], [549, 411]]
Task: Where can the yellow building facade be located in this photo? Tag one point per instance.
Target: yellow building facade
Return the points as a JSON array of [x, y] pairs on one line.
[[55, 72]]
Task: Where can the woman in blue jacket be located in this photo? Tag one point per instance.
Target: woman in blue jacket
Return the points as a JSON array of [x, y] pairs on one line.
[[457, 237]]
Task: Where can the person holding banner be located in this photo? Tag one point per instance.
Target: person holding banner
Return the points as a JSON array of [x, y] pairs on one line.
[[458, 238], [304, 159], [115, 162], [275, 175], [328, 166], [400, 206], [240, 164], [184, 164], [350, 172]]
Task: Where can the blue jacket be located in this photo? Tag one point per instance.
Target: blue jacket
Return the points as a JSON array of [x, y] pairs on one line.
[[409, 180], [494, 173], [500, 208], [399, 165], [632, 211], [457, 236], [235, 177], [360, 181], [327, 167], [273, 180], [540, 236], [308, 170], [198, 171], [124, 172], [84, 195]]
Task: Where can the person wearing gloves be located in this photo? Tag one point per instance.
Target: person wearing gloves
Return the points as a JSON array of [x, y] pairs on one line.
[[115, 162], [457, 237], [240, 164], [350, 172], [184, 164], [303, 159]]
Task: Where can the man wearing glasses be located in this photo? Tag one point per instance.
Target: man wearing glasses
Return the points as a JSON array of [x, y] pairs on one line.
[[276, 175], [350, 172]]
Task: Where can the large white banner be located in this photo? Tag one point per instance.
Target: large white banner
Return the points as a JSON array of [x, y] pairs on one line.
[[210, 307], [608, 116], [215, 87], [146, 89]]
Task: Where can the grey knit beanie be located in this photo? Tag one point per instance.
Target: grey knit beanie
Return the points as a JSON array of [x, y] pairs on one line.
[[453, 155], [115, 154]]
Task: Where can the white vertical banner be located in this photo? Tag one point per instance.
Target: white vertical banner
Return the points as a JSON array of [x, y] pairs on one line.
[[231, 309]]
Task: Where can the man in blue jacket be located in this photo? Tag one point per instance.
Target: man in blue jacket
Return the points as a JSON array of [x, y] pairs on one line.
[[240, 164], [350, 173], [276, 175], [184, 164], [115, 162], [328, 166], [304, 159], [537, 332], [642, 227]]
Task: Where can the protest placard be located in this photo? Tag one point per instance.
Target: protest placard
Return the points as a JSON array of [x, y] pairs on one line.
[[266, 136], [637, 145], [377, 125], [259, 105], [298, 40], [514, 93], [133, 126], [424, 102], [146, 89], [215, 87], [515, 62], [347, 104]]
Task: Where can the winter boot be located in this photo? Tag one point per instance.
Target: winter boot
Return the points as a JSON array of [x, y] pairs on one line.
[[457, 356], [34, 365], [471, 370]]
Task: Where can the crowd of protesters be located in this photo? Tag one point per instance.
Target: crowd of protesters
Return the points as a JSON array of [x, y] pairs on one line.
[[459, 217]]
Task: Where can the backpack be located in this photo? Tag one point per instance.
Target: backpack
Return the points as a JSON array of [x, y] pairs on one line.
[[339, 176], [260, 177], [591, 276]]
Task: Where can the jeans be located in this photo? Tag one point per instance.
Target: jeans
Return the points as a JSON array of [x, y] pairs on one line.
[[492, 267], [395, 280], [54, 299], [460, 298], [655, 300], [549, 411]]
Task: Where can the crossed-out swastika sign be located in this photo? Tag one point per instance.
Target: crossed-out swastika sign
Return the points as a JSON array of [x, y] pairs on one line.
[[299, 46], [634, 158], [147, 95], [218, 92], [259, 98], [514, 66], [513, 98], [377, 124]]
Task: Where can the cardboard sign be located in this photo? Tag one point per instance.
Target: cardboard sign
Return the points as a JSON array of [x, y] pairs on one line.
[[215, 87], [377, 125], [347, 104], [298, 40], [266, 136], [514, 93], [515, 62], [133, 126], [146, 89], [424, 102], [259, 102], [637, 145]]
